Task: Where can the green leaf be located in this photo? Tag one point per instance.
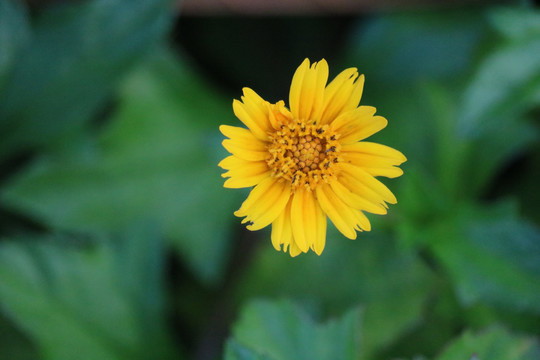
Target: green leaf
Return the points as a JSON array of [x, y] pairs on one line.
[[493, 344], [451, 149], [490, 153], [235, 351], [391, 284], [516, 22], [157, 159], [492, 257], [87, 301], [506, 84], [279, 330], [14, 344], [67, 71], [14, 33], [404, 48], [464, 166]]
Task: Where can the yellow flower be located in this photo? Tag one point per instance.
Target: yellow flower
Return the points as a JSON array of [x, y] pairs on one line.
[[309, 162]]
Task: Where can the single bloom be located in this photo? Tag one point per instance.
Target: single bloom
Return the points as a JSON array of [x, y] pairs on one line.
[[309, 161]]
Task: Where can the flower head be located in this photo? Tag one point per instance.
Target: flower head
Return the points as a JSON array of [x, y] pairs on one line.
[[309, 162]]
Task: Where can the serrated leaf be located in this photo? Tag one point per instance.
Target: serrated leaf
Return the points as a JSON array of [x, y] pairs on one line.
[[492, 257], [279, 330], [67, 71], [493, 344], [157, 159], [83, 301]]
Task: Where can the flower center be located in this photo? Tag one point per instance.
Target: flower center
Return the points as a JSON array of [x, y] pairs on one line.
[[303, 154]]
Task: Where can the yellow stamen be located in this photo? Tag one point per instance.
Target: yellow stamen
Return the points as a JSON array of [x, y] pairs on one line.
[[304, 154]]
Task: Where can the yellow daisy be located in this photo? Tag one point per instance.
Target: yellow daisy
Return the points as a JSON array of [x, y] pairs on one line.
[[309, 162]]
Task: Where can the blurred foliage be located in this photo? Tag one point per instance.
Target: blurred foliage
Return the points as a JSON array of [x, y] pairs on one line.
[[69, 65], [395, 284], [159, 142], [67, 295], [278, 330], [118, 240], [494, 344]]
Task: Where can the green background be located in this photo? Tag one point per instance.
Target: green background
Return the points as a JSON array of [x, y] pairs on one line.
[[118, 241]]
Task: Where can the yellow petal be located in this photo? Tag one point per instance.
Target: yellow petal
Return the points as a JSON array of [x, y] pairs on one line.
[[253, 152], [251, 168], [336, 94], [308, 221], [230, 162], [244, 182], [321, 70], [320, 238], [242, 138], [252, 111], [271, 205], [255, 196], [369, 182], [298, 207], [294, 250], [272, 118], [233, 162], [309, 215], [337, 211], [362, 221], [247, 145], [348, 121], [296, 87], [375, 159], [264, 204], [379, 150], [306, 96], [257, 107], [358, 124], [364, 128], [243, 173], [354, 200], [281, 229], [368, 160], [355, 96], [389, 172], [342, 94], [278, 114], [356, 187], [348, 219]]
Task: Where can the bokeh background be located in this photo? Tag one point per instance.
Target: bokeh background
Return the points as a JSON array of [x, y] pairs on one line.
[[118, 241]]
